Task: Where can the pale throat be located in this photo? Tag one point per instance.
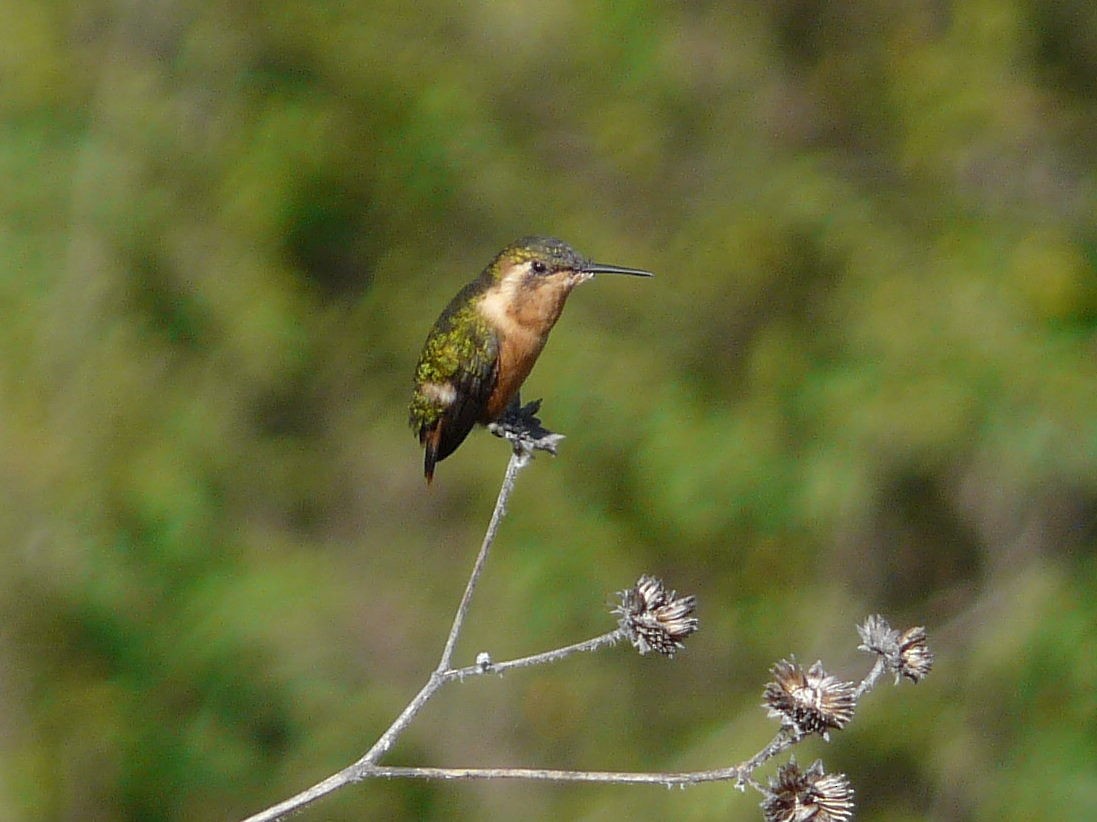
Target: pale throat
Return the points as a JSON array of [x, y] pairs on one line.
[[522, 314], [521, 307]]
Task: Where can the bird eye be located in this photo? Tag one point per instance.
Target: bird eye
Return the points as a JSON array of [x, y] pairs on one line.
[[539, 267]]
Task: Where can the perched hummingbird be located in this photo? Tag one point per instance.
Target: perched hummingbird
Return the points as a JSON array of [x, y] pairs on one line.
[[484, 344]]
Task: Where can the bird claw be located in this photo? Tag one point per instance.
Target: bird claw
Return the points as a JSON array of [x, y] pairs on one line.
[[521, 426]]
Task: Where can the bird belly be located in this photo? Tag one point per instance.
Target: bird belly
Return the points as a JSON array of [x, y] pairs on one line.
[[517, 354]]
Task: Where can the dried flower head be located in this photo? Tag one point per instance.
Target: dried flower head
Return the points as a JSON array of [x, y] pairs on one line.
[[878, 637], [915, 657], [796, 795], [905, 654], [809, 701], [654, 619]]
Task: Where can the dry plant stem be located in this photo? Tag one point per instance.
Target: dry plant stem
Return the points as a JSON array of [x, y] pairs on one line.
[[869, 682], [742, 773], [611, 638], [783, 740], [518, 460], [366, 765], [666, 779]]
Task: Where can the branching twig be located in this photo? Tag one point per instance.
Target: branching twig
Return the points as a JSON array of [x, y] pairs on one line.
[[365, 766], [653, 618]]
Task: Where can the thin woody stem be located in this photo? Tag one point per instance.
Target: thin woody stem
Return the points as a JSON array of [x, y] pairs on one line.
[[518, 460], [869, 682], [556, 655], [367, 764], [783, 740], [548, 775]]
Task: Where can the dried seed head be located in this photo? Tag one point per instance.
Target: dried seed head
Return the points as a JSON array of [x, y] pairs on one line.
[[797, 796], [809, 701], [915, 657], [654, 619], [905, 654], [878, 637]]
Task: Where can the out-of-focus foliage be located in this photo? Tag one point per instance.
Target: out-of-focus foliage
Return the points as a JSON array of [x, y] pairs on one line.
[[864, 379]]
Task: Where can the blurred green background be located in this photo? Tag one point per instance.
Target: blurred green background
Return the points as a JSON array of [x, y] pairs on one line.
[[864, 379]]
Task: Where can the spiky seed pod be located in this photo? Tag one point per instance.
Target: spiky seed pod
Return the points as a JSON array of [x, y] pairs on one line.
[[655, 619], [905, 654], [915, 657], [809, 701], [796, 795], [878, 637]]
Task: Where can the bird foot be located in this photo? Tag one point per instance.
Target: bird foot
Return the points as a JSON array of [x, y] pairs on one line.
[[520, 425]]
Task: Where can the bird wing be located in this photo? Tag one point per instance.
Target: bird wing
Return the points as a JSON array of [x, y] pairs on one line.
[[456, 374], [474, 381]]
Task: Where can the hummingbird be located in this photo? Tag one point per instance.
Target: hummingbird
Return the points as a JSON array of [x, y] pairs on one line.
[[484, 344]]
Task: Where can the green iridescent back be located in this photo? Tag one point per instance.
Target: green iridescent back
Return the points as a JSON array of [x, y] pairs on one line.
[[461, 350]]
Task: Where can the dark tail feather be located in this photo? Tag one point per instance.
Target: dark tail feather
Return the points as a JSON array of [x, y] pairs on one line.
[[431, 440], [428, 466]]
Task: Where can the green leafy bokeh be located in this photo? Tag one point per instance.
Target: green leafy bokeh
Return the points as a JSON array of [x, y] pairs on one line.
[[864, 379]]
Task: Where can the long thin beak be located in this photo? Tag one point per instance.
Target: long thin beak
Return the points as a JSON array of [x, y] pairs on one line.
[[602, 268]]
